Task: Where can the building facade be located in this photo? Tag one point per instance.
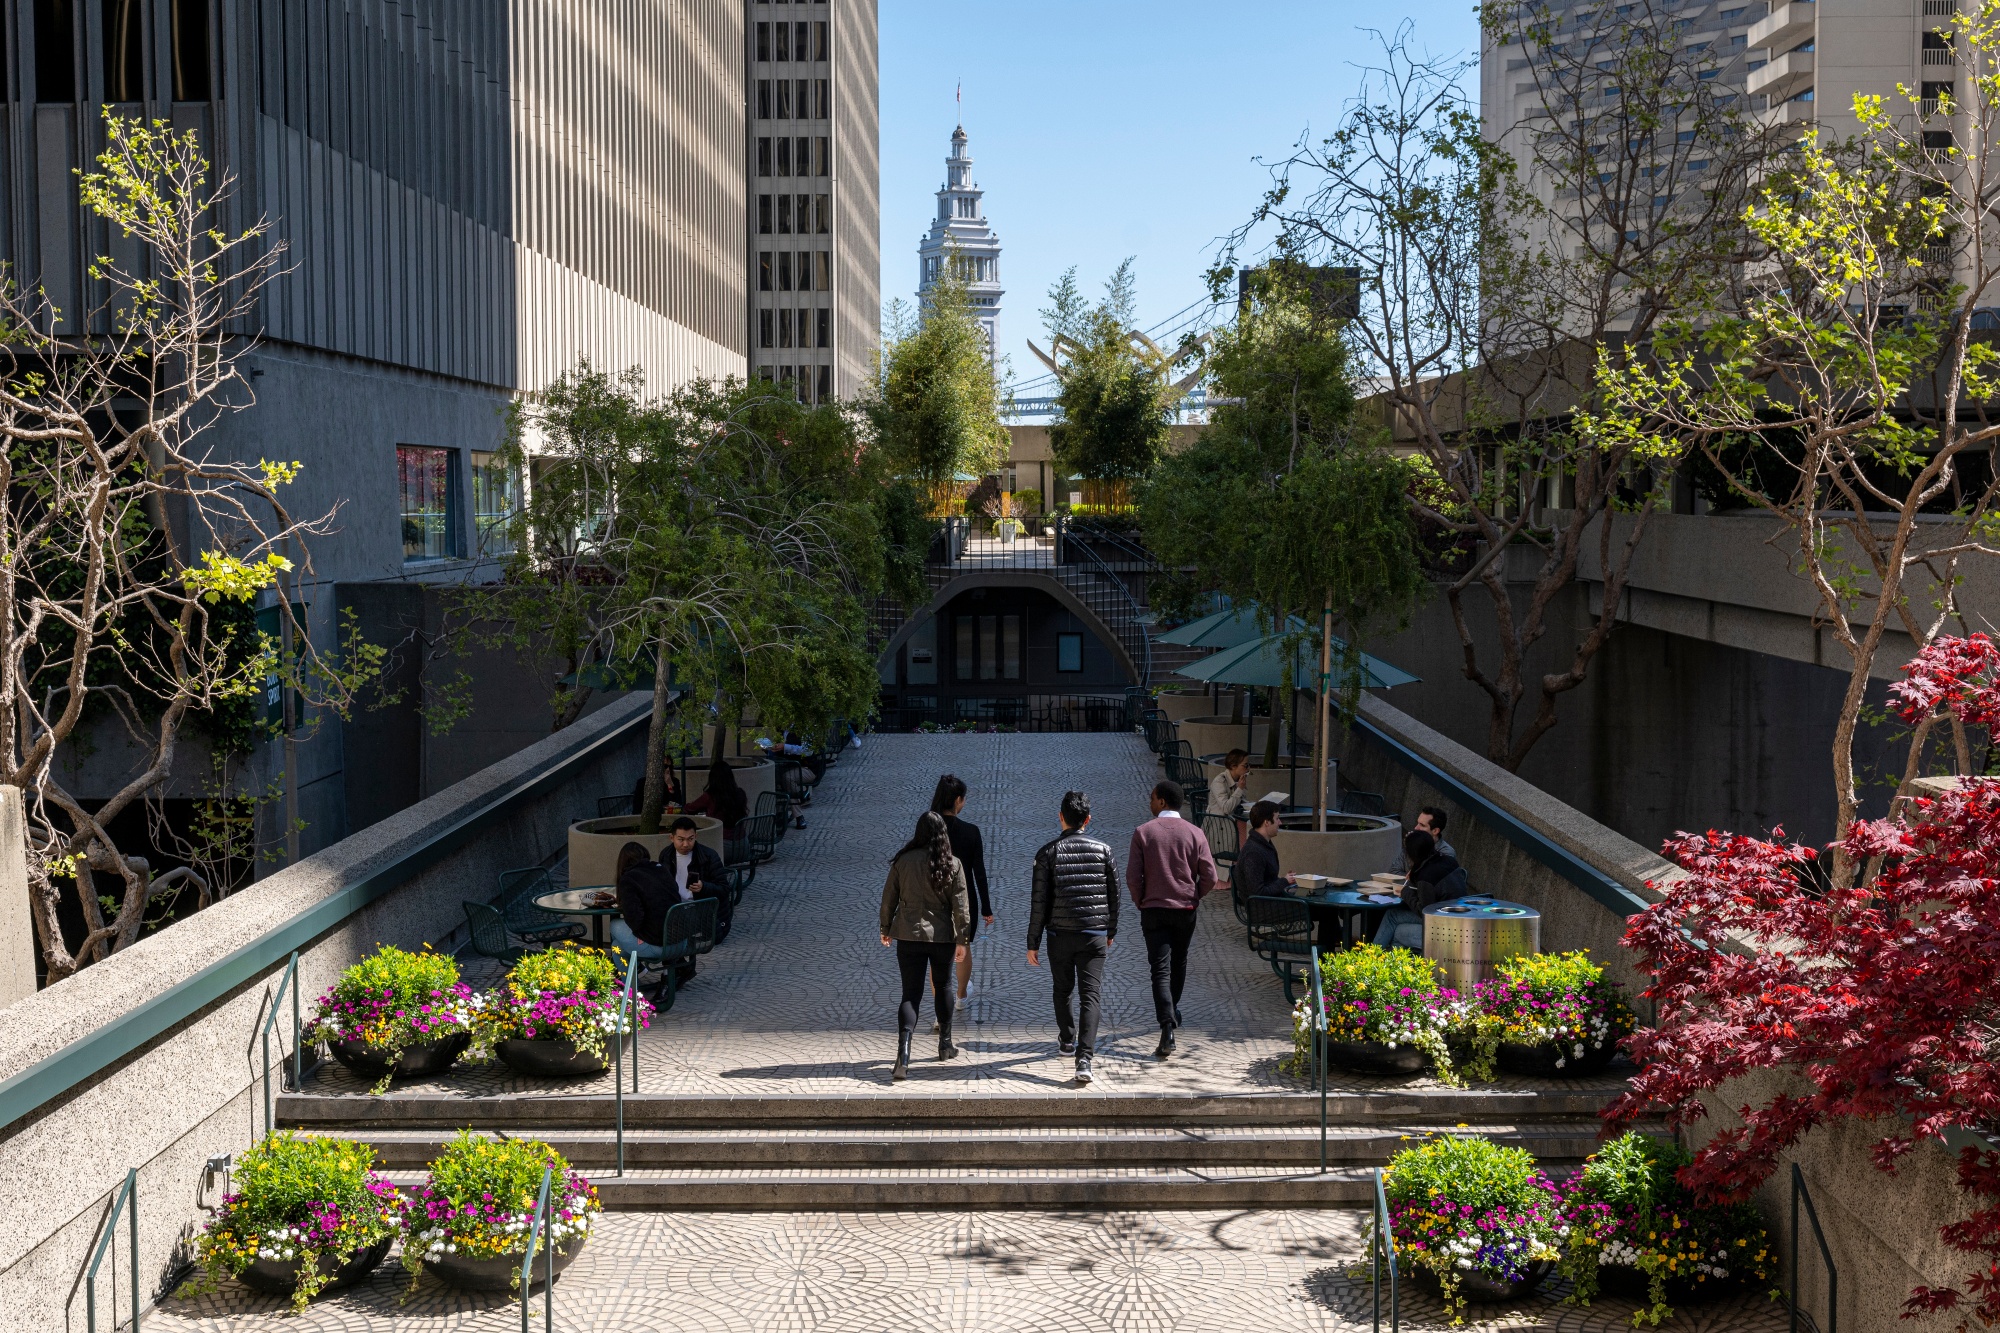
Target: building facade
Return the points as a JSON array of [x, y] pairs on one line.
[[960, 235], [814, 165]]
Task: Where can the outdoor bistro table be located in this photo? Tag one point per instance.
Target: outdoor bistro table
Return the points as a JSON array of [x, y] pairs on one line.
[[1467, 936], [1344, 907], [576, 902]]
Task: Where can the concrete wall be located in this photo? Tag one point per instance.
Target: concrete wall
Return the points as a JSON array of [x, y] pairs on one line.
[[196, 1090], [1881, 1229]]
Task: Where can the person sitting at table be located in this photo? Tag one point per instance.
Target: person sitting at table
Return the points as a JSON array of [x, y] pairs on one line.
[[722, 799], [644, 895], [1434, 877], [1227, 790], [1430, 820], [673, 785], [1256, 870]]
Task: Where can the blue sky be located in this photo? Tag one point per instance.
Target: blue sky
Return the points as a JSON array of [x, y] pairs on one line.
[[1101, 128]]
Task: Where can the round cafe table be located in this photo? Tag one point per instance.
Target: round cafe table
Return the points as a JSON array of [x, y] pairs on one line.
[[576, 902], [1345, 908]]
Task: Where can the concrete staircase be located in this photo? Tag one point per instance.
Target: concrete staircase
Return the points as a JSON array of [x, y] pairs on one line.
[[869, 1153]]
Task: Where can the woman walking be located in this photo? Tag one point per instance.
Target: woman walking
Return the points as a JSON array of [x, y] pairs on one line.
[[966, 845], [927, 914]]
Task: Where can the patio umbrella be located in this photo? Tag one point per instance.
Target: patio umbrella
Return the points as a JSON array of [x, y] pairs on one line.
[[1224, 629], [1261, 662]]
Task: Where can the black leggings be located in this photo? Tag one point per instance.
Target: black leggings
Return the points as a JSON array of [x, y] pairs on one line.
[[916, 959]]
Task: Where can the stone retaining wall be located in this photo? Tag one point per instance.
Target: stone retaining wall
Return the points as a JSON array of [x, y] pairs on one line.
[[197, 1090]]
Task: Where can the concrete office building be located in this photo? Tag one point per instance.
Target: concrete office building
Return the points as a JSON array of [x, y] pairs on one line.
[[959, 231], [815, 208], [473, 198]]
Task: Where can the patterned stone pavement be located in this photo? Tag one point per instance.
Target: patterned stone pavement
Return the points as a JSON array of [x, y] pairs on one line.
[[1177, 1272], [801, 998]]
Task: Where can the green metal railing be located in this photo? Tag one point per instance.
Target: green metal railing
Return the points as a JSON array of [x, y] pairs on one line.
[[288, 982], [544, 1218], [1319, 1029], [128, 1204], [1800, 1193], [1381, 1244], [627, 1032]]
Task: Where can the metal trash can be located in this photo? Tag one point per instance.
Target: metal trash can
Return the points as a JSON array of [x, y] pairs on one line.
[[1467, 936]]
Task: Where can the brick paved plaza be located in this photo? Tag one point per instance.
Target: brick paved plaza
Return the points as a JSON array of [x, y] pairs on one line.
[[797, 1009]]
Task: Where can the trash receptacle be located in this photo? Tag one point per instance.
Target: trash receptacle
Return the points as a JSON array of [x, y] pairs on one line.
[[1467, 936]]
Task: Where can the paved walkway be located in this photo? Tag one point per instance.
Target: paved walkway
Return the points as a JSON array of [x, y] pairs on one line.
[[801, 1000]]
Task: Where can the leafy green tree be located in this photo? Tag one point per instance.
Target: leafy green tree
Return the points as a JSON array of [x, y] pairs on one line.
[[1117, 388], [936, 402]]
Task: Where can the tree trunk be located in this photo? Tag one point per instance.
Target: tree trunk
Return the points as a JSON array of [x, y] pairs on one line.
[[655, 799]]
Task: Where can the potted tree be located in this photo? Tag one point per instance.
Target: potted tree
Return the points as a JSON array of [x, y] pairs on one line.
[[557, 1013], [397, 1014], [1472, 1219], [305, 1216], [1558, 1015], [467, 1224]]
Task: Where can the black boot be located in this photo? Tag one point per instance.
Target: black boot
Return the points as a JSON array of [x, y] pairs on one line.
[[902, 1069], [946, 1051]]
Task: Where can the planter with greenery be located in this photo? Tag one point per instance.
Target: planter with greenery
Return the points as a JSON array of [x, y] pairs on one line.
[[1478, 1221], [1387, 1014], [397, 1014], [1635, 1230], [305, 1216], [1558, 1014], [467, 1224], [556, 1014]]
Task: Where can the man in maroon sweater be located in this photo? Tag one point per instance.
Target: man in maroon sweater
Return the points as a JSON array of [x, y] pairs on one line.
[[1168, 870]]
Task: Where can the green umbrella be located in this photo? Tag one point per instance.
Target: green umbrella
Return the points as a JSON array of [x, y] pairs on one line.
[[1261, 662], [1224, 629]]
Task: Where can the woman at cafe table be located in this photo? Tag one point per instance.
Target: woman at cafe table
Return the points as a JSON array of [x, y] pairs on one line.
[[1434, 877]]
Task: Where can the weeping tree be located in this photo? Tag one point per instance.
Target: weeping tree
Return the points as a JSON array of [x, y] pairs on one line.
[[132, 549]]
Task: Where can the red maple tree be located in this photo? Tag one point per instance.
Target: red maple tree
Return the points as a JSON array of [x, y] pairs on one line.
[[1882, 1000]]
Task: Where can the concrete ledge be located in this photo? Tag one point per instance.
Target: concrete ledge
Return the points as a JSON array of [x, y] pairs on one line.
[[185, 1084]]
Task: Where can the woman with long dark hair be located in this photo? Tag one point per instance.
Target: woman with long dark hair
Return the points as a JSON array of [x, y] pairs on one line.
[[948, 800], [927, 915], [722, 799]]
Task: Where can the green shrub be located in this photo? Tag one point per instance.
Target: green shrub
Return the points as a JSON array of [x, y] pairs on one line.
[[393, 1000], [1459, 1205], [480, 1197]]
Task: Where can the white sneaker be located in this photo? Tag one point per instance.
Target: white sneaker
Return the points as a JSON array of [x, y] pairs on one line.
[[934, 1025]]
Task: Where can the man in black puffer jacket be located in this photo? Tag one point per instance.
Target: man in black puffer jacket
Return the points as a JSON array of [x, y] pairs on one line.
[[1076, 901]]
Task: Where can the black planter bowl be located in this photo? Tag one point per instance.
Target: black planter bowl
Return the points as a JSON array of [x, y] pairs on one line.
[[1622, 1280], [431, 1057], [553, 1057], [1374, 1057], [1479, 1289], [277, 1277], [496, 1274], [1539, 1061]]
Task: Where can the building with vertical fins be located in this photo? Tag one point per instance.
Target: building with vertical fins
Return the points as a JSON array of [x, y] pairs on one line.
[[959, 232], [815, 290]]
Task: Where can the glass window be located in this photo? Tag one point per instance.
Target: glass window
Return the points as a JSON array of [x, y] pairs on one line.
[[1010, 647], [764, 40], [124, 52], [961, 660], [784, 215], [826, 270], [784, 270], [784, 99], [826, 328], [819, 41], [764, 215], [763, 157], [496, 496], [820, 158], [190, 50], [823, 104], [763, 99], [784, 328], [423, 484], [783, 47], [825, 382], [1069, 652], [763, 270], [800, 31], [804, 92], [821, 214], [785, 157], [764, 328], [989, 647], [805, 213], [55, 51]]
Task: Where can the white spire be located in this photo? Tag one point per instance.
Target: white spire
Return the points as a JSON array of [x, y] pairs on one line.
[[959, 228]]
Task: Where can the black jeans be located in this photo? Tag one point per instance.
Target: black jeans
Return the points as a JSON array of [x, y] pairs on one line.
[[1168, 931], [915, 960], [1077, 956]]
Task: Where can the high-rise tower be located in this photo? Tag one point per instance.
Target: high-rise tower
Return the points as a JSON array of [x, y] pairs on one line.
[[959, 232]]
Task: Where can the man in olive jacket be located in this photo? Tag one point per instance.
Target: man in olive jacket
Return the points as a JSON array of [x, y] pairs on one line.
[[1076, 901]]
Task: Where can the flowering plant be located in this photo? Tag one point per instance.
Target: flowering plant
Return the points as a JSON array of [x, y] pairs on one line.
[[479, 1201], [1556, 998], [299, 1198], [1628, 1209], [393, 1000], [1459, 1206], [568, 993], [1392, 997]]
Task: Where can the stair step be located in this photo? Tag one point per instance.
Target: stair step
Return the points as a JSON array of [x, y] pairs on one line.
[[1059, 1148]]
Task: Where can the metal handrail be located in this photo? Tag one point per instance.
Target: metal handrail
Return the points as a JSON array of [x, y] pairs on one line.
[[627, 1024], [544, 1217], [127, 1203], [287, 982], [1799, 1192], [1320, 1032], [1384, 1242]]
